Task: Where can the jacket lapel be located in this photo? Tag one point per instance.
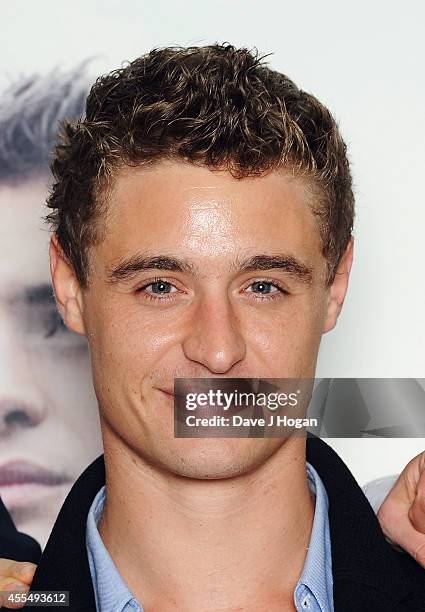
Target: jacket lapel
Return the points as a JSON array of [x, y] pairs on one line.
[[64, 564], [368, 574]]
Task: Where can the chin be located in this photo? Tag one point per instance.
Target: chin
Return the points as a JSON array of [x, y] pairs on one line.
[[218, 458]]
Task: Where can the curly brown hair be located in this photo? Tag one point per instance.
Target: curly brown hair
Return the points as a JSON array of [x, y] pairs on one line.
[[216, 106]]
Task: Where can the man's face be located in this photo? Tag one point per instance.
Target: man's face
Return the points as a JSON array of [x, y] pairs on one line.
[[198, 275], [49, 430]]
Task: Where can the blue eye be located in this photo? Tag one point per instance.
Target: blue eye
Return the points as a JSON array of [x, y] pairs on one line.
[[262, 287], [160, 287], [266, 290], [157, 289]]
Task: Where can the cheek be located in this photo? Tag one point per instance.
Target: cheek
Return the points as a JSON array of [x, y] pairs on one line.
[[127, 348], [288, 339]]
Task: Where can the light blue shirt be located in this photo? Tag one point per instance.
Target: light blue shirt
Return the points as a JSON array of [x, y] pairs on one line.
[[313, 593]]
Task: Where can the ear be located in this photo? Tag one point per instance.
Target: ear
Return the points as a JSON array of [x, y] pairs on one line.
[[67, 289], [338, 289]]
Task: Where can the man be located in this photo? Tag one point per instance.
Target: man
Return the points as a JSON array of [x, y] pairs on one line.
[[202, 216], [49, 425]]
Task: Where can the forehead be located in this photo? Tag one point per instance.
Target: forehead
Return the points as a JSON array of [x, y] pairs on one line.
[[208, 213], [23, 235]]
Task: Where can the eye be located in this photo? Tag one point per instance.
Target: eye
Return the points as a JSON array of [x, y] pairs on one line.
[[159, 289], [266, 290]]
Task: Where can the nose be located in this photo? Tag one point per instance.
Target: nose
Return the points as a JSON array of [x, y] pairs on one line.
[[214, 339], [22, 404], [15, 413]]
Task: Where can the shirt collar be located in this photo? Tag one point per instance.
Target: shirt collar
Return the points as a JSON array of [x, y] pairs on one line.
[[316, 580], [314, 589], [110, 590]]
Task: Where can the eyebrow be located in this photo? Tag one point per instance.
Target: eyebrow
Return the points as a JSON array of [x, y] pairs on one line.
[[287, 263], [127, 269]]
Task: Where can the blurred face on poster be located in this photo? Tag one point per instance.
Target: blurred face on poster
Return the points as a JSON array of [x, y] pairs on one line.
[[49, 430]]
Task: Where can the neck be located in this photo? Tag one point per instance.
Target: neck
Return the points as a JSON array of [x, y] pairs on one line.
[[183, 543]]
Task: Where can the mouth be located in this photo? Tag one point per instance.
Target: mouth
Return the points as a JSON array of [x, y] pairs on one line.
[[21, 482], [182, 387], [23, 472], [178, 395]]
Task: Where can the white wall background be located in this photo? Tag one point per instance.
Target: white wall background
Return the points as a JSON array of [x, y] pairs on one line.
[[365, 61]]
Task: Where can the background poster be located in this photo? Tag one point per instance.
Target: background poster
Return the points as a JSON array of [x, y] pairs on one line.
[[363, 60]]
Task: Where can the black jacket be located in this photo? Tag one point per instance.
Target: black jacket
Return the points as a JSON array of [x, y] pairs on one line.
[[14, 544], [369, 576]]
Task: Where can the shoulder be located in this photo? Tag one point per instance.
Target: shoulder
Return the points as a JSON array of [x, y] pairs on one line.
[[366, 569], [64, 564]]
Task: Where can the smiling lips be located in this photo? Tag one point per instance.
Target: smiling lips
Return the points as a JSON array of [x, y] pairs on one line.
[[183, 387]]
